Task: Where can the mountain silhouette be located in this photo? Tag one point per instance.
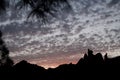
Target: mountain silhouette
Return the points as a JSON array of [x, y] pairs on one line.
[[93, 65]]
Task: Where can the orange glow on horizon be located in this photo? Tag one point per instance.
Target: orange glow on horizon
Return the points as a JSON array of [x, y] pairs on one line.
[[53, 64]]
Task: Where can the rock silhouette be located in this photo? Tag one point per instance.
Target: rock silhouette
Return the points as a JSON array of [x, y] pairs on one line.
[[90, 65]]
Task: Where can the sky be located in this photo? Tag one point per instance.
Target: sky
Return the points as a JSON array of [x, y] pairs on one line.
[[91, 24]]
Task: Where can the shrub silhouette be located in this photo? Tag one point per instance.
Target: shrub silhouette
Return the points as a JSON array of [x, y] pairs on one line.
[[5, 60]]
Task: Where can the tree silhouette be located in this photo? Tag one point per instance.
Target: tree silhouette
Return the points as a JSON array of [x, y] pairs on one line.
[[2, 5], [4, 54], [39, 8]]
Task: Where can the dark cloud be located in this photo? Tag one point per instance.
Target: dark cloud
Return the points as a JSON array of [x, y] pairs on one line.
[[113, 2]]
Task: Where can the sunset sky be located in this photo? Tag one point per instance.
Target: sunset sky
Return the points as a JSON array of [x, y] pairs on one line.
[[93, 24]]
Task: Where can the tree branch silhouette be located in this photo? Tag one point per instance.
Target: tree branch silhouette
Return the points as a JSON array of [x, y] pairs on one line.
[[39, 8]]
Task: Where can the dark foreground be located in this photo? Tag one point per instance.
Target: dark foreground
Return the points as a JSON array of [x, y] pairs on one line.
[[89, 67]]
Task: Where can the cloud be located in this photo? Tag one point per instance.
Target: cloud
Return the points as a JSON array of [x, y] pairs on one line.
[[79, 31], [113, 2], [8, 22]]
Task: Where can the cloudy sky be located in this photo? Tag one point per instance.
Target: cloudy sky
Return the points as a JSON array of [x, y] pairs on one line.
[[93, 24]]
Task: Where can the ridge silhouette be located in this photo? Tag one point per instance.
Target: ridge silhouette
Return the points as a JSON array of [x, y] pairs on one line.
[[90, 65]]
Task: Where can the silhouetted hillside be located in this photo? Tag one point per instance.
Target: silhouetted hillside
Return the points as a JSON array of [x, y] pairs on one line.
[[90, 66]]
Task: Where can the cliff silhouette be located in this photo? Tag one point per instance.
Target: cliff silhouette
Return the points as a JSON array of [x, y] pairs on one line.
[[90, 66]]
